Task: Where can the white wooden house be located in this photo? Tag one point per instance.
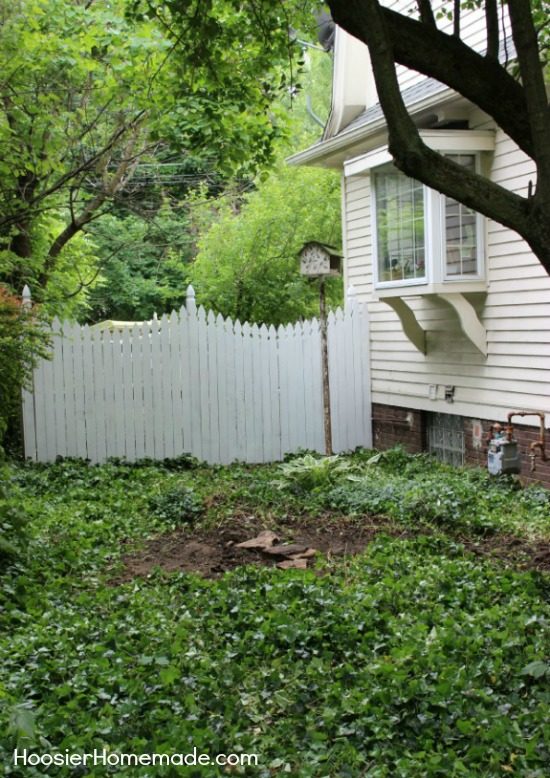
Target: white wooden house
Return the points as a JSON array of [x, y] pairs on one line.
[[459, 306]]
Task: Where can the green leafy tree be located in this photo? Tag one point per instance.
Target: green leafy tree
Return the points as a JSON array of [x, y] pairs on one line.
[[88, 93], [145, 255], [247, 265], [144, 264]]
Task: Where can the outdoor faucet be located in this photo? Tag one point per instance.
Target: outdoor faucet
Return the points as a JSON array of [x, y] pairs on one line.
[[536, 444]]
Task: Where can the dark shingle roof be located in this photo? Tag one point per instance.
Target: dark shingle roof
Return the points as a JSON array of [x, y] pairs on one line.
[[415, 93], [425, 88]]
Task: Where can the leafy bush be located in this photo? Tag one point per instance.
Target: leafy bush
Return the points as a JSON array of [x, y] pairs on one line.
[[312, 472], [178, 505], [13, 521], [418, 489], [23, 339]]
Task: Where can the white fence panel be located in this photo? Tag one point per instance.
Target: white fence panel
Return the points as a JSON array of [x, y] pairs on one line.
[[196, 383]]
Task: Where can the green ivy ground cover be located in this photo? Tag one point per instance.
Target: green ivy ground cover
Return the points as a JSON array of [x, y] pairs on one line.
[[413, 659]]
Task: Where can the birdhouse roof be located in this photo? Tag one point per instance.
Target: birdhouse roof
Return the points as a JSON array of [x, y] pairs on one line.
[[332, 250]]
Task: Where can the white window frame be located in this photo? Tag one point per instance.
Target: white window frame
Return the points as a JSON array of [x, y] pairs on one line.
[[434, 241], [452, 142], [376, 267], [480, 237]]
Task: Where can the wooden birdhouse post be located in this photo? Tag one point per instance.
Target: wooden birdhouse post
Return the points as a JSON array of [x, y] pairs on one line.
[[319, 261]]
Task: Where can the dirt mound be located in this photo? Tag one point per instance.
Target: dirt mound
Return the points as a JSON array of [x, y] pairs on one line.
[[517, 552], [243, 540], [212, 553]]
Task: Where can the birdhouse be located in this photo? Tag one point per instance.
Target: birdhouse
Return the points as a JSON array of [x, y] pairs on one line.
[[318, 260]]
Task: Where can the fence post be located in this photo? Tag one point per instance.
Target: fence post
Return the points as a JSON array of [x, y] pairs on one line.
[[26, 299], [327, 420], [190, 302]]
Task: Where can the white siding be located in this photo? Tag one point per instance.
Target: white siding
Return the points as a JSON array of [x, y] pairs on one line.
[[472, 30], [515, 313]]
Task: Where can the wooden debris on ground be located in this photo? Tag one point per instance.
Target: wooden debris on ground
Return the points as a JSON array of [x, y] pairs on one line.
[[295, 555], [292, 549], [261, 542], [297, 564]]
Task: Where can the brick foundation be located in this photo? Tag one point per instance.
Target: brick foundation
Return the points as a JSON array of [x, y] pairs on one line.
[[524, 436], [392, 425]]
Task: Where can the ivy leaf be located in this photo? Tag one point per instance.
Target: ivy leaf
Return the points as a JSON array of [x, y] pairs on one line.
[[22, 722], [535, 669], [168, 675]]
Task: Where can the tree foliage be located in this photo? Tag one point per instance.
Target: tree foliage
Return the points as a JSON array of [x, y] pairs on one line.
[[88, 93], [247, 265], [144, 264]]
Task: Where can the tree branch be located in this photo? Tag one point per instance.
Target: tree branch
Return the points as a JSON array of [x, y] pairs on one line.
[[88, 164], [456, 18], [532, 76], [111, 185], [426, 12], [491, 23], [448, 59], [433, 53]]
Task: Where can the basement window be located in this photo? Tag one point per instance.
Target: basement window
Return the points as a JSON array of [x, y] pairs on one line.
[[445, 434]]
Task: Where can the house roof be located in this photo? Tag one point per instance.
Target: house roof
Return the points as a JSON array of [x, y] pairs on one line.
[[370, 124], [429, 87], [351, 140]]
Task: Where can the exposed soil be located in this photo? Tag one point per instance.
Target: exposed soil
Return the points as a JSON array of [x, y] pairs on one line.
[[517, 552], [213, 552]]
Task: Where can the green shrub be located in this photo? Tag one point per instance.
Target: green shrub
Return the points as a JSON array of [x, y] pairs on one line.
[[178, 505], [13, 521], [419, 490], [23, 339], [312, 472]]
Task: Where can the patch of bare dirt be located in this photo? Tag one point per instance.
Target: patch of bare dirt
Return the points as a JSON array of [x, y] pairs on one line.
[[517, 552], [214, 552], [243, 540]]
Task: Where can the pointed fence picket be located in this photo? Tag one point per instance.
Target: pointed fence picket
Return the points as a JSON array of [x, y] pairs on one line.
[[197, 383]]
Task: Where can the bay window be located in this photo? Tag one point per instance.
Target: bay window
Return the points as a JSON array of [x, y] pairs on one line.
[[400, 227], [422, 236], [424, 243], [460, 235]]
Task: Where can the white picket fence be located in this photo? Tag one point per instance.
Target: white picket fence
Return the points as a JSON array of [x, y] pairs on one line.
[[198, 383]]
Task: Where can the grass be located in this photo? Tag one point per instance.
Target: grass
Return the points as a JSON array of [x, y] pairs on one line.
[[412, 659]]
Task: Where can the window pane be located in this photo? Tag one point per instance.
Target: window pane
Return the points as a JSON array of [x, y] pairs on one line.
[[460, 230], [399, 226]]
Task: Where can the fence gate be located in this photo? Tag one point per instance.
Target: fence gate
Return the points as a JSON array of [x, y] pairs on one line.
[[197, 383]]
